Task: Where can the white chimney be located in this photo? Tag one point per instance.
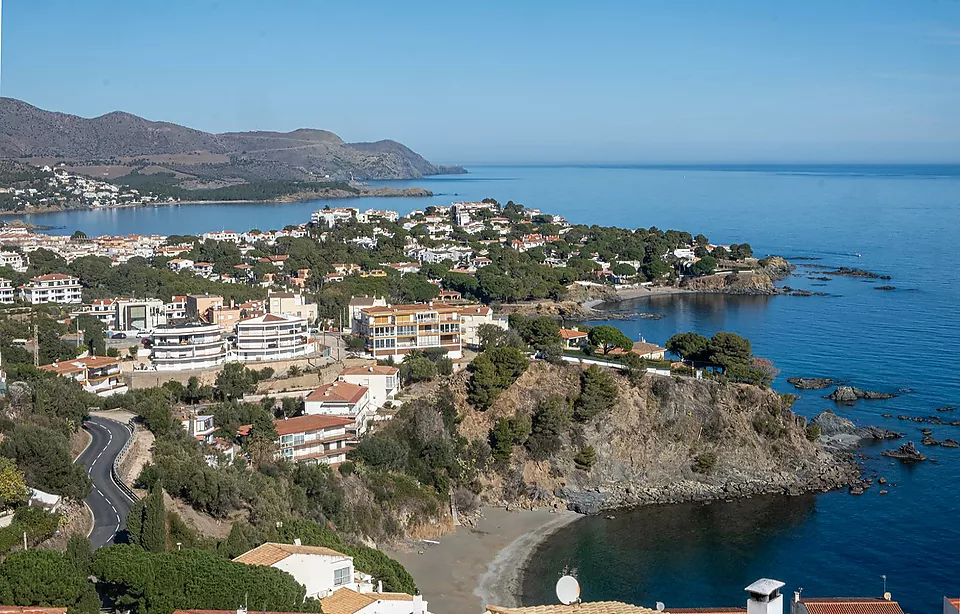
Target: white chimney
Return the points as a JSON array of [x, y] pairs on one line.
[[419, 605], [379, 586], [297, 542], [765, 597], [242, 610]]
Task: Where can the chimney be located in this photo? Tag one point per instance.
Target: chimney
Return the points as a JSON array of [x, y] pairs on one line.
[[765, 597], [242, 610], [419, 605], [379, 586], [297, 542]]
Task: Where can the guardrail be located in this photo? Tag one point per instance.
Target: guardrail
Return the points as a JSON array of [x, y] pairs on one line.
[[114, 471]]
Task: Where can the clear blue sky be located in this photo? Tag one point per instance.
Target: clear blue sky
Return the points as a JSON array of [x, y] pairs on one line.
[[517, 80]]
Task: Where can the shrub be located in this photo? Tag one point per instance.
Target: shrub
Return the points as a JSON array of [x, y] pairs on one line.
[[598, 392], [813, 432], [585, 458], [551, 420], [705, 462]]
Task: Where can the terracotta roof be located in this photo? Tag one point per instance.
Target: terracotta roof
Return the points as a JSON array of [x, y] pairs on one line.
[[569, 333], [338, 392], [705, 610], [850, 605], [390, 309], [52, 277], [372, 369], [954, 602], [29, 609], [349, 601], [271, 553], [78, 364], [589, 607], [208, 612]]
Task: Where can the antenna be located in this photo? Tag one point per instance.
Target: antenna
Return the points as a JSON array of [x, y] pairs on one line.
[[568, 590], [884, 578]]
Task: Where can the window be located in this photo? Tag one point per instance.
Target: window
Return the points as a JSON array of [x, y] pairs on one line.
[[341, 576]]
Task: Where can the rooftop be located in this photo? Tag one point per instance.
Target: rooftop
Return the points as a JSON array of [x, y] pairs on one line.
[[271, 553], [301, 424], [589, 607], [338, 392], [370, 370], [850, 605], [415, 308], [349, 601]]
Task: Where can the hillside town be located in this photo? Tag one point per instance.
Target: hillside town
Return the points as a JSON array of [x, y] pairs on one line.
[[47, 188]]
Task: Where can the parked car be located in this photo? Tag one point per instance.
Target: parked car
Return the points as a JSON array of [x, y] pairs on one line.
[[118, 336]]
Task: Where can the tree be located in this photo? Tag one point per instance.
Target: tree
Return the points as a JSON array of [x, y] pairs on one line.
[[655, 268], [44, 457], [153, 536], [622, 269], [417, 369], [501, 440], [550, 422], [234, 381], [13, 486], [39, 577], [705, 266], [78, 235], [720, 253], [262, 440], [79, 553], [688, 346], [608, 337], [483, 388], [585, 458], [701, 240], [598, 392], [728, 349]]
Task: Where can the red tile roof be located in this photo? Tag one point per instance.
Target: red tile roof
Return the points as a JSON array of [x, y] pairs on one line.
[[338, 392], [372, 369], [568, 333], [850, 605], [302, 424]]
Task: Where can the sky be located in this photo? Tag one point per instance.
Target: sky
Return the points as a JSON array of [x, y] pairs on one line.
[[526, 81]]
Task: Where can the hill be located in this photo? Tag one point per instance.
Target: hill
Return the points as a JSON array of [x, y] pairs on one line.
[[118, 143]]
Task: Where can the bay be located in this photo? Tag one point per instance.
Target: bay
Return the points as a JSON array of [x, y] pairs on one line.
[[902, 220]]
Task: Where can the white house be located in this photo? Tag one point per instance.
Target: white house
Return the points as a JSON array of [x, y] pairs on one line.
[[321, 570], [472, 317], [6, 291], [348, 601], [341, 399], [382, 382], [272, 337]]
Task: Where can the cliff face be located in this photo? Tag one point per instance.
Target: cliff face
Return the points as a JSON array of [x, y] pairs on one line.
[[666, 439]]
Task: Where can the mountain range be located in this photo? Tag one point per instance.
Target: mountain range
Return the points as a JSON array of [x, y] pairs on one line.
[[121, 140]]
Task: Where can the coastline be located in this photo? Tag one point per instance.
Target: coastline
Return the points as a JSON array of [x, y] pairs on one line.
[[289, 198], [476, 566]]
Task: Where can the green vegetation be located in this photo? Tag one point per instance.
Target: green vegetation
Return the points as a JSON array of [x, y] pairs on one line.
[[607, 338], [728, 353], [48, 578], [13, 485], [36, 523], [164, 185], [585, 458], [598, 392], [551, 421], [492, 372], [704, 462], [813, 432], [159, 582]]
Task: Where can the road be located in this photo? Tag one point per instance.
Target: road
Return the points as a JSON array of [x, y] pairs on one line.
[[109, 503]]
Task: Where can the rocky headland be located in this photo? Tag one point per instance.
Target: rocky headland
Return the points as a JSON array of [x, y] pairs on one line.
[[665, 440]]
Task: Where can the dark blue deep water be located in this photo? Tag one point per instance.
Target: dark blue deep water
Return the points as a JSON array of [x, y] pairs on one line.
[[904, 221]]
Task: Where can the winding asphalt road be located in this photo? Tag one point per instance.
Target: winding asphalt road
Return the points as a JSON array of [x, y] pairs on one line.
[[109, 503]]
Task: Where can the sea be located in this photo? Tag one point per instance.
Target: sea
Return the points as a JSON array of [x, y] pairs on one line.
[[901, 221]]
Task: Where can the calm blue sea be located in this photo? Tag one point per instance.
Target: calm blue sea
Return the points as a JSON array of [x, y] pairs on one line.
[[903, 220]]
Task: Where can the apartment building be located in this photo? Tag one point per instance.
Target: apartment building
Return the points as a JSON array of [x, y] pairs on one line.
[[178, 347], [312, 439], [6, 291], [290, 303], [271, 337], [14, 260], [395, 330], [472, 317], [177, 308], [97, 374], [52, 288]]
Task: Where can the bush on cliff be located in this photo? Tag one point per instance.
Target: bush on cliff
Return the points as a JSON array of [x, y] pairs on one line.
[[551, 421], [598, 392]]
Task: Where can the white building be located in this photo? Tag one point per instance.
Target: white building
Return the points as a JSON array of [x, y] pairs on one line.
[[13, 260], [357, 304], [472, 317], [320, 570], [348, 601], [341, 399], [272, 337], [331, 217], [312, 439], [177, 347], [382, 382], [140, 315], [199, 426], [6, 291], [52, 288], [100, 375]]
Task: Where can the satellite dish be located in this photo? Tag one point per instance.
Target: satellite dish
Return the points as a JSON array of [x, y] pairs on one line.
[[568, 590], [660, 606], [887, 596]]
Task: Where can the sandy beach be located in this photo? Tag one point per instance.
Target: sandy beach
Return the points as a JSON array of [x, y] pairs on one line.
[[627, 294], [483, 565]]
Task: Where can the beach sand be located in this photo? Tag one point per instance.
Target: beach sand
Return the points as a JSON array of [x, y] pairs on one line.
[[474, 567]]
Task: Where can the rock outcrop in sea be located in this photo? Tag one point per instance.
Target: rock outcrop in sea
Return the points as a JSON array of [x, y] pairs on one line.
[[811, 383], [848, 394], [840, 435]]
